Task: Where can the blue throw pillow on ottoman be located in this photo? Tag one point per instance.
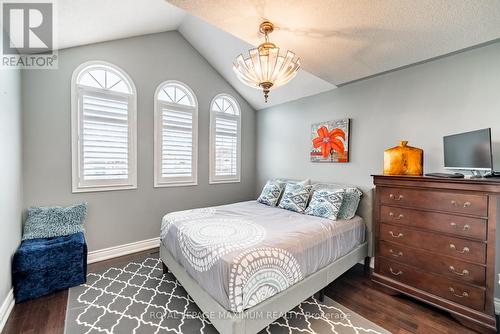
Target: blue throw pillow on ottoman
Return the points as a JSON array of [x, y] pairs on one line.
[[43, 266], [48, 222]]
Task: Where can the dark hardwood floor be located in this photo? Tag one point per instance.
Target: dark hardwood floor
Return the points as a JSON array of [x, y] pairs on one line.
[[354, 290], [397, 314], [46, 315]]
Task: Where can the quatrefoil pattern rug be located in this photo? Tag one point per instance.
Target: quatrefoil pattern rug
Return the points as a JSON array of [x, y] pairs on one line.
[[137, 298]]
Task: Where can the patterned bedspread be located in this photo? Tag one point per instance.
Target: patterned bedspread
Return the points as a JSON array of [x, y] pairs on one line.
[[244, 253]]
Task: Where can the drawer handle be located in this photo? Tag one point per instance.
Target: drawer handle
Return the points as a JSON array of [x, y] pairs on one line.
[[395, 273], [395, 254], [465, 228], [464, 272], [395, 236], [464, 294], [464, 250], [466, 204], [399, 217], [400, 197]]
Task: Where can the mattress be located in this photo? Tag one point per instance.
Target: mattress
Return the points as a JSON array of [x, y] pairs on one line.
[[246, 252]]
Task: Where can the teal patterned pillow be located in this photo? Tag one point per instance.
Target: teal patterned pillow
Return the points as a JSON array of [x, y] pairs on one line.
[[326, 203], [295, 197], [271, 193], [352, 197], [350, 203], [48, 222]]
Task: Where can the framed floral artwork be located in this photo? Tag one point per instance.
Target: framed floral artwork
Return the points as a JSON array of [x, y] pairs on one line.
[[330, 141]]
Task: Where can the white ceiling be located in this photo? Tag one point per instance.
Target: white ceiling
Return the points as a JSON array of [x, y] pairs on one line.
[[82, 22], [338, 41], [345, 40]]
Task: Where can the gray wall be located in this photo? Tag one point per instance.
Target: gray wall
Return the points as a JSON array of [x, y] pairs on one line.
[[420, 104], [10, 173], [119, 217]]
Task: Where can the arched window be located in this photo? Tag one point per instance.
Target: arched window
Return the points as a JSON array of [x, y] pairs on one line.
[[225, 140], [103, 117], [176, 135]]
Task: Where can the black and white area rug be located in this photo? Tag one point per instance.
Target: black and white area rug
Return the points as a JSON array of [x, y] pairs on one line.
[[136, 298]]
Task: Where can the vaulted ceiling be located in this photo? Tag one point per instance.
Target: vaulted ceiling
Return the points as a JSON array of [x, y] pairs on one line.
[[82, 22], [338, 41], [220, 49], [345, 40]]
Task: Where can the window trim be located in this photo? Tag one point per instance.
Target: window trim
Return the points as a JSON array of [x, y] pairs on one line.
[[212, 178], [160, 182], [76, 130]]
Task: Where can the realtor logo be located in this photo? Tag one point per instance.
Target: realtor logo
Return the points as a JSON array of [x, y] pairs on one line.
[[28, 35]]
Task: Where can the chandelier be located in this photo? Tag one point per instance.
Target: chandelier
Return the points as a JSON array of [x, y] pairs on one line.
[[265, 68]]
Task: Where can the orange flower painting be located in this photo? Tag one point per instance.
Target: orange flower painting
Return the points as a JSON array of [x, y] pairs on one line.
[[330, 141]]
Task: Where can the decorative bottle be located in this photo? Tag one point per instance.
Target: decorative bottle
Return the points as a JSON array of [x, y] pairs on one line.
[[403, 160]]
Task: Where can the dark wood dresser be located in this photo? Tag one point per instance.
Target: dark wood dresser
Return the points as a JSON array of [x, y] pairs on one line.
[[435, 241]]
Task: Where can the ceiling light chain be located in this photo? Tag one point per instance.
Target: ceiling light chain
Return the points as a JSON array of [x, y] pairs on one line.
[[265, 68]]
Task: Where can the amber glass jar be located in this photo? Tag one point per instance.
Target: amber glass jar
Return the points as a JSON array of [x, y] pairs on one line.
[[403, 160]]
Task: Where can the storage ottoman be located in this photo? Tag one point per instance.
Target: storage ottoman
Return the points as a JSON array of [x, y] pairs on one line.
[[42, 266]]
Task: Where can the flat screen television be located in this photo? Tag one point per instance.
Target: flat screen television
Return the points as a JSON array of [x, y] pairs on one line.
[[468, 151]]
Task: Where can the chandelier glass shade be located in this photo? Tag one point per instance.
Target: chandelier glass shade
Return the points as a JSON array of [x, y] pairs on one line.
[[264, 67]]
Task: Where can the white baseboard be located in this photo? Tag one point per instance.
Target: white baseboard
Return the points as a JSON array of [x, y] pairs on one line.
[[117, 251], [6, 308], [497, 305]]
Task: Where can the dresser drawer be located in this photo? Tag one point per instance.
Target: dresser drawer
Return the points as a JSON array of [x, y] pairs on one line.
[[428, 261], [461, 249], [476, 205], [440, 222], [461, 293]]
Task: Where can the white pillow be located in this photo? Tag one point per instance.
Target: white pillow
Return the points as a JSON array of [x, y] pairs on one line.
[[305, 182]]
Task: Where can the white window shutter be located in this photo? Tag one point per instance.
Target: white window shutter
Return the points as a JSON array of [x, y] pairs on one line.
[[103, 118], [226, 146], [225, 137], [176, 125], [105, 137], [177, 143]]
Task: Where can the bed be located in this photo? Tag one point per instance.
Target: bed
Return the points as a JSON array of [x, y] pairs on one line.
[[247, 264]]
